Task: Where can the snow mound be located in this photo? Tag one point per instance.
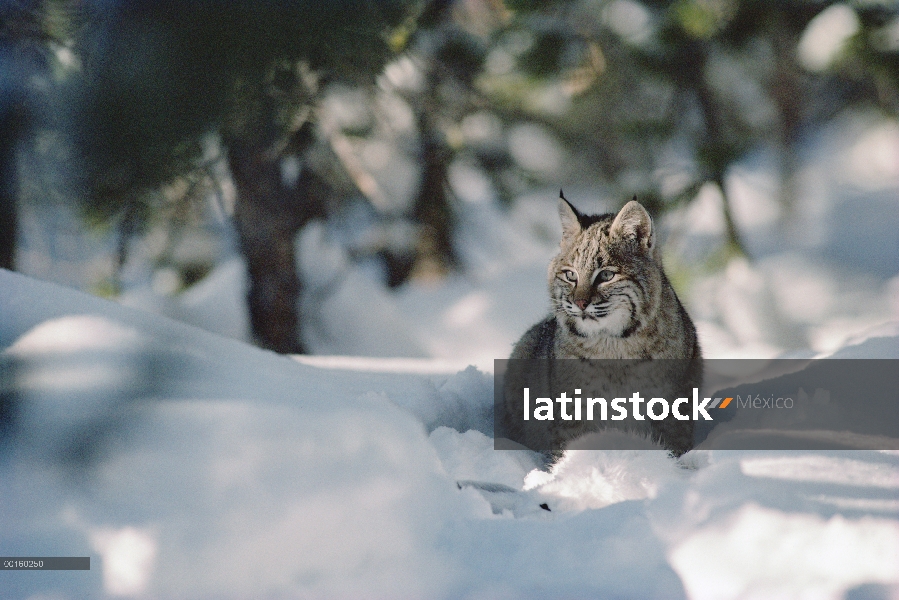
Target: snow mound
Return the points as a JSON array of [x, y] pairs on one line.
[[188, 465]]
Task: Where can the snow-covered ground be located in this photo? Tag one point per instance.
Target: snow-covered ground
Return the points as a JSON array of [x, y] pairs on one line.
[[188, 464]]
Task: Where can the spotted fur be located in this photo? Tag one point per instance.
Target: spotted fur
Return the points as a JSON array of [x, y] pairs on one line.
[[611, 300]]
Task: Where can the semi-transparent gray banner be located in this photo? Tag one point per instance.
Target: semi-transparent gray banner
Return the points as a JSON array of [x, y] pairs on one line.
[[45, 563], [780, 404]]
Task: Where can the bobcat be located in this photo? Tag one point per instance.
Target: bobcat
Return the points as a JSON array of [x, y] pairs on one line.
[[611, 300]]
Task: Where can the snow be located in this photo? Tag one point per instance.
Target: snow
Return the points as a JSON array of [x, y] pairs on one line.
[[188, 465], [150, 435]]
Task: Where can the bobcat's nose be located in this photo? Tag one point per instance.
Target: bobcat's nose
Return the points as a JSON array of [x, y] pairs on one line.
[[582, 304]]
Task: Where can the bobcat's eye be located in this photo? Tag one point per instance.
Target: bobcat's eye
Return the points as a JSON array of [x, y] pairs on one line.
[[569, 275], [605, 275]]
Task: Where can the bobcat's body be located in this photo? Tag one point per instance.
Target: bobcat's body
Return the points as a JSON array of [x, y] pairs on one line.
[[611, 300]]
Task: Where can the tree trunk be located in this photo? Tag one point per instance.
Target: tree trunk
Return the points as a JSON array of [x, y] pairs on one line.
[[435, 253], [718, 149], [9, 131], [267, 220]]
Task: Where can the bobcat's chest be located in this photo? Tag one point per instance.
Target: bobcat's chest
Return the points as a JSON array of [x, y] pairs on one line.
[[599, 344]]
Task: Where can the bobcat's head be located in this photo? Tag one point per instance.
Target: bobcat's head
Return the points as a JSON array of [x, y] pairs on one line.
[[606, 280]]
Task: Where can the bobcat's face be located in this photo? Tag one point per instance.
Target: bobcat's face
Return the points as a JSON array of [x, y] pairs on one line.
[[603, 281], [594, 298]]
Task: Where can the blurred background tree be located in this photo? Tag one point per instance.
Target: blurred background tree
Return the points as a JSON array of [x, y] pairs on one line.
[[373, 114], [247, 73]]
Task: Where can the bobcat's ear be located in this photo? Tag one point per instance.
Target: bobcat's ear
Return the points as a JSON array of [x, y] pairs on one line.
[[569, 216], [633, 222]]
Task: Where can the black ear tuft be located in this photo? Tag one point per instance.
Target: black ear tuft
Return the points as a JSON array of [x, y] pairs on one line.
[[570, 217], [635, 197], [576, 212]]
